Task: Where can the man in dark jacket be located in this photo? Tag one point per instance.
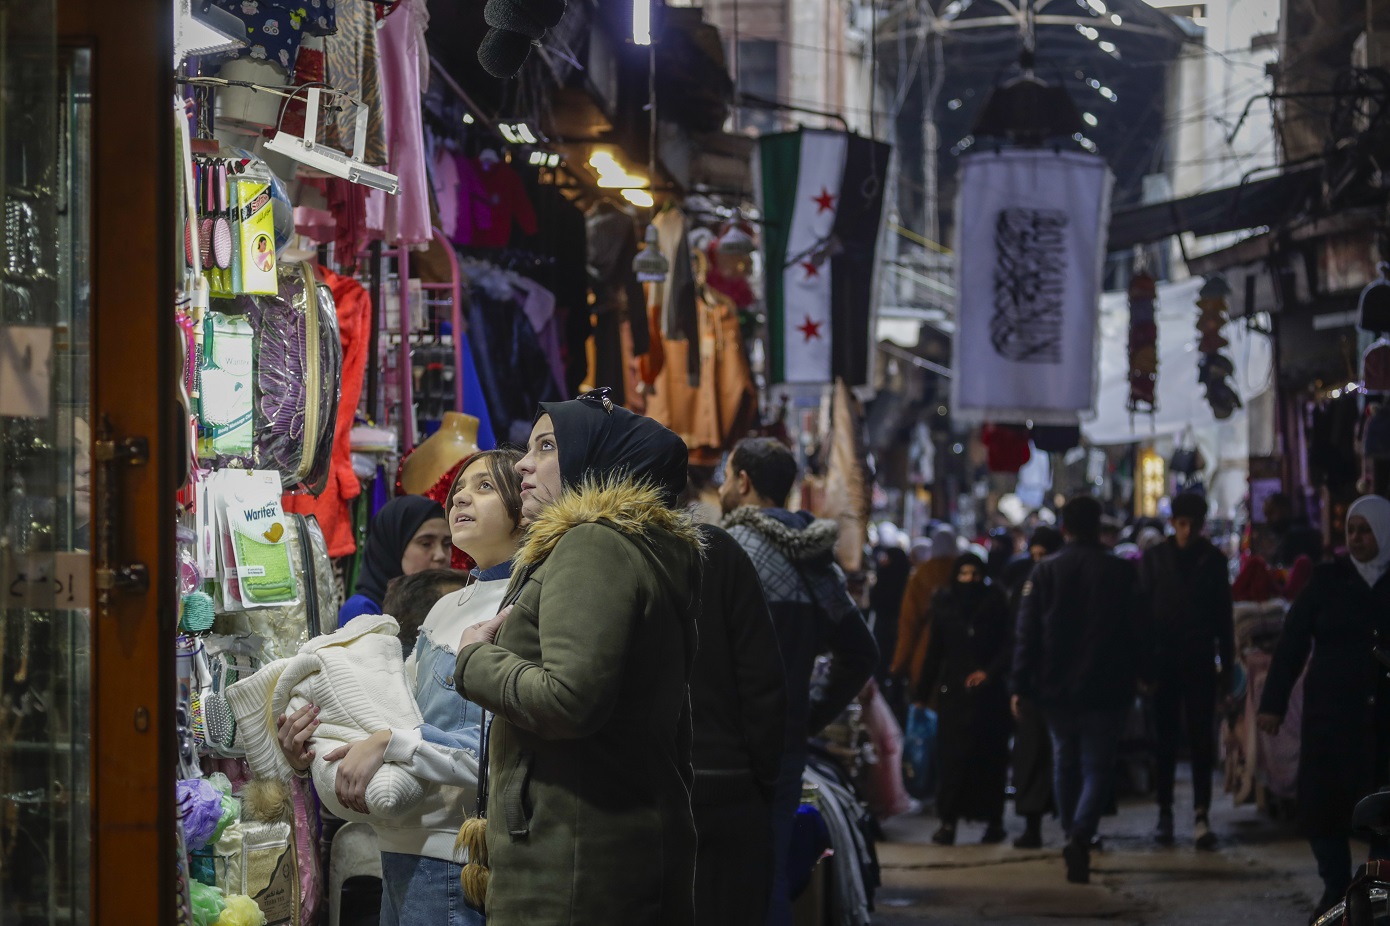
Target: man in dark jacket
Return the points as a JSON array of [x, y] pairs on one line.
[[738, 701], [1075, 656], [812, 613], [1184, 587]]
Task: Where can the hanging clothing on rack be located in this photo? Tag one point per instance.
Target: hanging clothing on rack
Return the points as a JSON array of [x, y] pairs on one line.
[[405, 72], [351, 65], [445, 170], [333, 508], [563, 236], [712, 416], [612, 245], [515, 373], [539, 306], [491, 197], [679, 316]]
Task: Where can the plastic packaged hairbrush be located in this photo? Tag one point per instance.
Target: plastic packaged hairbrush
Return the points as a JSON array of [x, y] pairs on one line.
[[297, 373]]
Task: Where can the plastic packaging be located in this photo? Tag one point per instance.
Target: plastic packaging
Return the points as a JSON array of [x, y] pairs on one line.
[[297, 373], [254, 564]]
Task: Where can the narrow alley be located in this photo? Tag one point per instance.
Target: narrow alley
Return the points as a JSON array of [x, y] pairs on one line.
[[1262, 873]]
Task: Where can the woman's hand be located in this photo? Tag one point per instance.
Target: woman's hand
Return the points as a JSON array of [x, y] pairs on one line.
[[1269, 723], [294, 733], [358, 762], [486, 632], [976, 679]]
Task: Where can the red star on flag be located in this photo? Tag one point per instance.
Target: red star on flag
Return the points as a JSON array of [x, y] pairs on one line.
[[811, 269], [825, 201], [810, 329]]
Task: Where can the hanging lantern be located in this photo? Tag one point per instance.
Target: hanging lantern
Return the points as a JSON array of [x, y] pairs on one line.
[[650, 265], [1143, 344], [1215, 369]]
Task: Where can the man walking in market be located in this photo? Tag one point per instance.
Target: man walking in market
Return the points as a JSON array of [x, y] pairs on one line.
[[1077, 647], [1185, 590], [812, 613]]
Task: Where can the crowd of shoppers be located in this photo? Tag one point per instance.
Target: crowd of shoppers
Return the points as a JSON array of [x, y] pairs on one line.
[[617, 702]]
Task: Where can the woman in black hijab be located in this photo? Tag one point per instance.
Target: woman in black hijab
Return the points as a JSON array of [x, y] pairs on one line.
[[965, 669], [408, 535], [588, 805]]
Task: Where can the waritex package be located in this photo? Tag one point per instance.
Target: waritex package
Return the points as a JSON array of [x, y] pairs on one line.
[[253, 555]]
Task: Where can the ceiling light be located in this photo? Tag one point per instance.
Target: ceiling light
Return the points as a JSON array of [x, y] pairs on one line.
[[640, 198], [1098, 6], [524, 132], [611, 174], [1090, 119], [1107, 47], [641, 22], [203, 29], [468, 119], [1115, 18]]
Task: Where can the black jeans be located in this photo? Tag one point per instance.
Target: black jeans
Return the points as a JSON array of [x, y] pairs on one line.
[[1191, 694], [733, 867]]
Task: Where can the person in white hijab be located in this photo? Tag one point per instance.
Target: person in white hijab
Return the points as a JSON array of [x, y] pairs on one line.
[[1368, 537], [1340, 617]]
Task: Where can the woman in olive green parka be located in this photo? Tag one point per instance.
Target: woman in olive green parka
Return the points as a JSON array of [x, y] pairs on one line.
[[588, 810]]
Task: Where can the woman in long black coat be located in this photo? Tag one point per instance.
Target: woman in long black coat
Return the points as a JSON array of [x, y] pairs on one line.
[[1032, 754], [1342, 615], [965, 672]]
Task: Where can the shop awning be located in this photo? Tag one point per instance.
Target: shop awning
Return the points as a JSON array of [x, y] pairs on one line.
[[1249, 205]]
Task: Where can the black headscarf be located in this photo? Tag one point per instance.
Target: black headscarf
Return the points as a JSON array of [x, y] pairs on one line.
[[968, 592], [598, 438], [1049, 538], [394, 526]]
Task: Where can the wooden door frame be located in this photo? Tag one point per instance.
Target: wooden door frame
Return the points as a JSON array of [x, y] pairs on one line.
[[133, 382]]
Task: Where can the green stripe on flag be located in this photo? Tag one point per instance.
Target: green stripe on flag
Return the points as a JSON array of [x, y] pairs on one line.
[[779, 162]]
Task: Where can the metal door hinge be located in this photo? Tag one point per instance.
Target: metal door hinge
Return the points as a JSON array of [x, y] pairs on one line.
[[132, 451]]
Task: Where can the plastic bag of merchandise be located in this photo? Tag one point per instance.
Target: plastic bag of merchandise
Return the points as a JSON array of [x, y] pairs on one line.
[[295, 379]]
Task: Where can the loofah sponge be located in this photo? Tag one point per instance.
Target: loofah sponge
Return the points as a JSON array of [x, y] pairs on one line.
[[241, 911]]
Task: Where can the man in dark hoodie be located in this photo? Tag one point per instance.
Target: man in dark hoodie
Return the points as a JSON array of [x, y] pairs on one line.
[[1076, 655], [812, 613], [1184, 586], [738, 706]]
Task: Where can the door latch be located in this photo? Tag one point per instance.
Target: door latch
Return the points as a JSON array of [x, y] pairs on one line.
[[112, 573]]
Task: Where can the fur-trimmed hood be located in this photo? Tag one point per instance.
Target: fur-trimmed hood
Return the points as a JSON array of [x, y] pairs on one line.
[[815, 541], [633, 508]]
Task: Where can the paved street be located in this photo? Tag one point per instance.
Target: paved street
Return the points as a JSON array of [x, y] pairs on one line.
[[1262, 875]]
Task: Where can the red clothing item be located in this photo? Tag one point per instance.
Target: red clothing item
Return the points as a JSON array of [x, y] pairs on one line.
[[355, 331], [1008, 447], [491, 196]]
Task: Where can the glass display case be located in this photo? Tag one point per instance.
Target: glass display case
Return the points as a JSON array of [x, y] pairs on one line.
[[45, 470]]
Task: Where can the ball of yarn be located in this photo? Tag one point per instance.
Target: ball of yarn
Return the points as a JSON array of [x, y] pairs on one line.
[[240, 911], [207, 903], [200, 807]]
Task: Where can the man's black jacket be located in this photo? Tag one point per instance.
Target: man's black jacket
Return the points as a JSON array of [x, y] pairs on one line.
[[1078, 640]]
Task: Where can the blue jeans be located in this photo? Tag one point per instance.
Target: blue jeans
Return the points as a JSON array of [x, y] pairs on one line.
[[1084, 748], [415, 889], [786, 799]]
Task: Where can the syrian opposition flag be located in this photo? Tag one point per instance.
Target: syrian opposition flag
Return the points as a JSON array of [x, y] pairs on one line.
[[821, 195]]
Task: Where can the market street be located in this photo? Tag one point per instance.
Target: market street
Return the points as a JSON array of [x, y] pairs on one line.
[[1262, 874]]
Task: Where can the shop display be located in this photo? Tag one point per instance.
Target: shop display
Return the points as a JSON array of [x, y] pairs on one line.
[[1214, 368], [1143, 344]]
